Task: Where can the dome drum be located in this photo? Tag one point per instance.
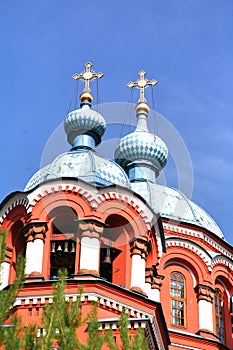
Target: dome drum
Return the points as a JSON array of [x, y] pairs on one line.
[[87, 139], [142, 171]]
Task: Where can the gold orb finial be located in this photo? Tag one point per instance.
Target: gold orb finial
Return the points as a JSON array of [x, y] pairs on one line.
[[142, 107]]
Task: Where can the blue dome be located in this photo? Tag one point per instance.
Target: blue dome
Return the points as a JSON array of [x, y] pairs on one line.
[[83, 164], [141, 145], [173, 204]]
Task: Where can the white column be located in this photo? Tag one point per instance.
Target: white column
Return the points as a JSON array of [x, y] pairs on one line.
[[90, 245], [138, 272], [138, 249], [205, 297], [5, 268], [205, 315], [4, 274], [153, 294], [90, 253], [38, 248], [29, 257], [35, 232]]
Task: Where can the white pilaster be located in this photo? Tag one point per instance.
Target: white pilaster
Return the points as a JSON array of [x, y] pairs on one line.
[[153, 294], [90, 253], [38, 248], [138, 272], [205, 315], [4, 274], [29, 257], [35, 233], [205, 298]]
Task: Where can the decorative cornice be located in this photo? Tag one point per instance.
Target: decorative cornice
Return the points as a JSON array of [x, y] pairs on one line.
[[153, 277], [94, 197], [190, 233], [105, 302], [140, 247], [193, 247], [35, 230], [204, 292], [15, 201], [222, 260], [198, 250], [90, 229]]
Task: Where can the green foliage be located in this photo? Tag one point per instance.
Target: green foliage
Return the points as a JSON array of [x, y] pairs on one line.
[[12, 340], [123, 324], [61, 320], [139, 341], [8, 296]]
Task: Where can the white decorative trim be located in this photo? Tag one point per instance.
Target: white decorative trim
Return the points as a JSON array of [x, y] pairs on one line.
[[185, 347], [157, 335], [92, 197], [17, 200], [193, 247], [50, 188], [113, 323], [222, 260], [103, 301], [198, 234]]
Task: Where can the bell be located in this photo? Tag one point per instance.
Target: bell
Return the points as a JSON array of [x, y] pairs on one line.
[[53, 248], [73, 248], [59, 249], [107, 259], [66, 248]]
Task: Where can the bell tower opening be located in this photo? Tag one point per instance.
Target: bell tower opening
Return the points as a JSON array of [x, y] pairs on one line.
[[63, 242], [18, 246], [114, 252]]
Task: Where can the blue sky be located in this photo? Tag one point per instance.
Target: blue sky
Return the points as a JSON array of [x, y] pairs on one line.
[[185, 44]]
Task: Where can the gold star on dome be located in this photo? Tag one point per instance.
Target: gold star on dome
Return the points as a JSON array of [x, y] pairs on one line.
[[141, 84], [87, 76]]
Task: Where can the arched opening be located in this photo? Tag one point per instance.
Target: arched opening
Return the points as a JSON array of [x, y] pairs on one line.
[[18, 245], [114, 252], [63, 240]]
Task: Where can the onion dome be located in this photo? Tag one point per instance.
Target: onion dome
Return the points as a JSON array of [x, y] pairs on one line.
[[141, 153], [85, 127]]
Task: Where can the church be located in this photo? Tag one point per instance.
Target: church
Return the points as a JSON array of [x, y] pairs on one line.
[[130, 242]]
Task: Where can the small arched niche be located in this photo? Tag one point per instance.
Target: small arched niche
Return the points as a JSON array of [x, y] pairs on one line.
[[63, 240], [115, 263]]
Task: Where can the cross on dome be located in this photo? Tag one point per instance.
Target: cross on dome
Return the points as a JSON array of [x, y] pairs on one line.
[[141, 84], [87, 76]]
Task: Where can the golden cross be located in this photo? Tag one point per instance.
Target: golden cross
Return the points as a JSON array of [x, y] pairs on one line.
[[141, 84], [87, 76]]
